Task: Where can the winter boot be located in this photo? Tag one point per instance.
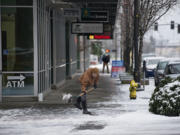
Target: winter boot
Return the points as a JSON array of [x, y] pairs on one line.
[[84, 107], [78, 103]]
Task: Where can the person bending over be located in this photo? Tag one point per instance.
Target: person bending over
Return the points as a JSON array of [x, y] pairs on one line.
[[89, 78]]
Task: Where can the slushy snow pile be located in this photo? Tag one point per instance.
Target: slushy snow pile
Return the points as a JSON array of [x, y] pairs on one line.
[[166, 98]]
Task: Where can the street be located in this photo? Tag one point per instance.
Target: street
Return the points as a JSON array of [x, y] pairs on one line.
[[114, 114]]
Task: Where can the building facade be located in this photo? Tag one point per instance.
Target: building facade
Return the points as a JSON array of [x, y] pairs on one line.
[[165, 39], [37, 49]]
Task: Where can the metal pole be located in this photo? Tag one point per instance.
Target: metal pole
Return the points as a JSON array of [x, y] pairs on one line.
[[143, 80], [35, 30], [78, 52], [84, 53], [136, 35], [0, 60], [116, 46]]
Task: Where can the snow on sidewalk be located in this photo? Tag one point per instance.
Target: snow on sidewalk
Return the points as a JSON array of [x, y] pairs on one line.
[[118, 116]]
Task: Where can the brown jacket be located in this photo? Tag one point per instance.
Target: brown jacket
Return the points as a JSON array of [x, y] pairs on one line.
[[87, 80]]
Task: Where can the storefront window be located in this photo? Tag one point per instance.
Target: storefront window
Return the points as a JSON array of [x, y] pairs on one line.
[[16, 2], [17, 39], [17, 51]]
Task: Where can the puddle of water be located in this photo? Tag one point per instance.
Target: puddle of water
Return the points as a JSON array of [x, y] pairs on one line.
[[90, 125]]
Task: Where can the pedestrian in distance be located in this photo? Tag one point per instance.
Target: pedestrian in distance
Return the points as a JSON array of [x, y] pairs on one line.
[[106, 59], [89, 78]]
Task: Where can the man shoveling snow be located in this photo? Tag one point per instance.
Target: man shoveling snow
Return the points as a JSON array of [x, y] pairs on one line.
[[89, 78]]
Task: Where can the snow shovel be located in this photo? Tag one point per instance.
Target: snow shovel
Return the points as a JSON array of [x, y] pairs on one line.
[[68, 98]]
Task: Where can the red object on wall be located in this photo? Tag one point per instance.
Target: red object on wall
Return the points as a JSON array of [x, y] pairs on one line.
[[102, 37]]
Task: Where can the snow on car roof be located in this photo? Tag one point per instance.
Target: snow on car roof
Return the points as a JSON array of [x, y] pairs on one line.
[[151, 58], [173, 62], [174, 59], [170, 60], [164, 60]]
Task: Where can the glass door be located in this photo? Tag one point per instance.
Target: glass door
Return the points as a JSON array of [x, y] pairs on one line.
[[17, 51]]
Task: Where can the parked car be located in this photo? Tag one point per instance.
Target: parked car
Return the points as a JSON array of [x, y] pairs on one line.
[[172, 70], [151, 64], [159, 73], [145, 55]]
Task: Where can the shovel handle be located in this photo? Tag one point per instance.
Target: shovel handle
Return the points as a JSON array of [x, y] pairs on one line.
[[89, 90]]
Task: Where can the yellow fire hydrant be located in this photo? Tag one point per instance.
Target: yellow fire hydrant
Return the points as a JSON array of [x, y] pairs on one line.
[[132, 89]]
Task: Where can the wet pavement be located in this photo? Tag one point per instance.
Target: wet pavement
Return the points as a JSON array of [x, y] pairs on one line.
[[114, 114]]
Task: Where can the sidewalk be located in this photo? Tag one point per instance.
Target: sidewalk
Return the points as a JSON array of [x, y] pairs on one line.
[[104, 90], [115, 113], [54, 98]]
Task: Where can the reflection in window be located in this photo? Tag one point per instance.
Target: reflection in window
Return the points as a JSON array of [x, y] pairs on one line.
[[17, 39]]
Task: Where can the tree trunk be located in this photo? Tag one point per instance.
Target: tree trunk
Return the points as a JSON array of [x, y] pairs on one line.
[[135, 38], [127, 58], [132, 52], [127, 43], [127, 52], [140, 58]]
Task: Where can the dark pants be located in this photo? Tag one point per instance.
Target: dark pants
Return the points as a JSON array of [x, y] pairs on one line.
[[105, 65]]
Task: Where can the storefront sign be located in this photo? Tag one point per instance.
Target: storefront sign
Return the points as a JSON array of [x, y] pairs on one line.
[[117, 67], [107, 33], [99, 37], [88, 15], [87, 28], [15, 81]]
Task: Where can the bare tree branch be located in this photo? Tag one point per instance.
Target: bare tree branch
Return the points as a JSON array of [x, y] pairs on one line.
[[151, 11]]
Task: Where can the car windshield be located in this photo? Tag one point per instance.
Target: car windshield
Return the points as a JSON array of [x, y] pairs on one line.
[[153, 62], [174, 69], [162, 65]]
